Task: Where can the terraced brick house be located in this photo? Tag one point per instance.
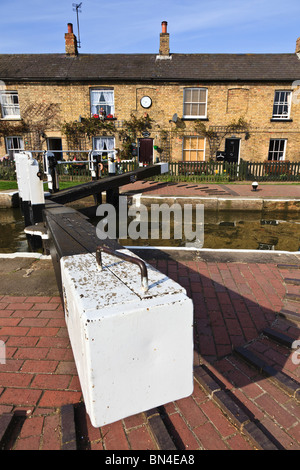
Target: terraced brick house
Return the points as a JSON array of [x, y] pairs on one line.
[[180, 107]]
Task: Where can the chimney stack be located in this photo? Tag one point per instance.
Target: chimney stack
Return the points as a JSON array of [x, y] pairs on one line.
[[71, 42], [164, 49], [298, 47]]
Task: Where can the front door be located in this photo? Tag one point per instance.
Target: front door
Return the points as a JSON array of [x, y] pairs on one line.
[[232, 150], [146, 151], [54, 143]]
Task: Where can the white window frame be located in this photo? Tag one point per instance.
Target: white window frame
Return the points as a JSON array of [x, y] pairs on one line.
[[10, 139], [98, 142], [13, 97], [282, 98], [185, 102], [192, 151], [108, 104], [277, 152]]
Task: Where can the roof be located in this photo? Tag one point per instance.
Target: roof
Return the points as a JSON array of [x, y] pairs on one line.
[[146, 67]]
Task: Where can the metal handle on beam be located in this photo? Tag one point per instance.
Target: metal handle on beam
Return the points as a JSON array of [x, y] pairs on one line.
[[131, 259]]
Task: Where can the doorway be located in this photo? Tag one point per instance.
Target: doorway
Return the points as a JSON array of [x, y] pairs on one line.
[[232, 150], [146, 151], [55, 145]]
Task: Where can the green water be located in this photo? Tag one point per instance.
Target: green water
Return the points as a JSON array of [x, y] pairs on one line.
[[231, 230], [242, 230], [12, 236], [253, 231]]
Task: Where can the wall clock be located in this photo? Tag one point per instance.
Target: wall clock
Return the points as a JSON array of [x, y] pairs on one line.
[[146, 101]]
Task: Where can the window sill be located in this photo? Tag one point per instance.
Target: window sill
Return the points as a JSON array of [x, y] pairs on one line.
[[10, 118], [280, 120], [186, 118], [101, 118]]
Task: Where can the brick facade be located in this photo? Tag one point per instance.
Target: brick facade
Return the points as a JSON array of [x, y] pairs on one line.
[[46, 105]]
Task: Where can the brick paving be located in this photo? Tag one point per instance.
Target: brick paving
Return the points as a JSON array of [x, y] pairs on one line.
[[246, 385], [243, 190], [233, 406]]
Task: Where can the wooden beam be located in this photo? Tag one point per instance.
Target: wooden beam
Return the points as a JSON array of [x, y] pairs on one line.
[[70, 233], [105, 184]]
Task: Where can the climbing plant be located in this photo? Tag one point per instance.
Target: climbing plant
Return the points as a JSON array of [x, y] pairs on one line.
[[40, 117], [164, 148], [8, 128], [215, 134], [129, 132], [134, 126], [37, 119], [75, 131]]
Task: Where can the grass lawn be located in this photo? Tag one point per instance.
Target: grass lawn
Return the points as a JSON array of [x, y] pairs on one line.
[[4, 185], [8, 185]]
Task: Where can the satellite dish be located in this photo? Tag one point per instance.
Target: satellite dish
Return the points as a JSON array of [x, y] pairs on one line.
[[175, 118]]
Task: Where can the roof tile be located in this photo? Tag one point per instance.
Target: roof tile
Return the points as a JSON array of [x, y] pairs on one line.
[[145, 67]]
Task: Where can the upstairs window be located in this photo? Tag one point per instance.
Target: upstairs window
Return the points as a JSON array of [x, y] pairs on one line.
[[277, 150], [282, 104], [194, 103], [9, 101], [102, 99]]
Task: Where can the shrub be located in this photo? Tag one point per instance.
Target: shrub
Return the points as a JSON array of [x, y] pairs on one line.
[[7, 170]]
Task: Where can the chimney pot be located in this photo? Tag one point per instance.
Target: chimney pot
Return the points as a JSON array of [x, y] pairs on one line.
[[70, 28], [164, 50]]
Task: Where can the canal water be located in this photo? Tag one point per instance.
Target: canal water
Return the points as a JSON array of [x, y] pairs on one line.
[[230, 230], [12, 236]]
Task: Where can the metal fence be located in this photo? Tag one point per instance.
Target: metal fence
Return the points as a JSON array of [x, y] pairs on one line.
[[78, 171]]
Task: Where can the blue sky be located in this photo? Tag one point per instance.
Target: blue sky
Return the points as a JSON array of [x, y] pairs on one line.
[[133, 26]]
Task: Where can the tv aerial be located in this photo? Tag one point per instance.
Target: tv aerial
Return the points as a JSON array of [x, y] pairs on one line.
[[76, 7]]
